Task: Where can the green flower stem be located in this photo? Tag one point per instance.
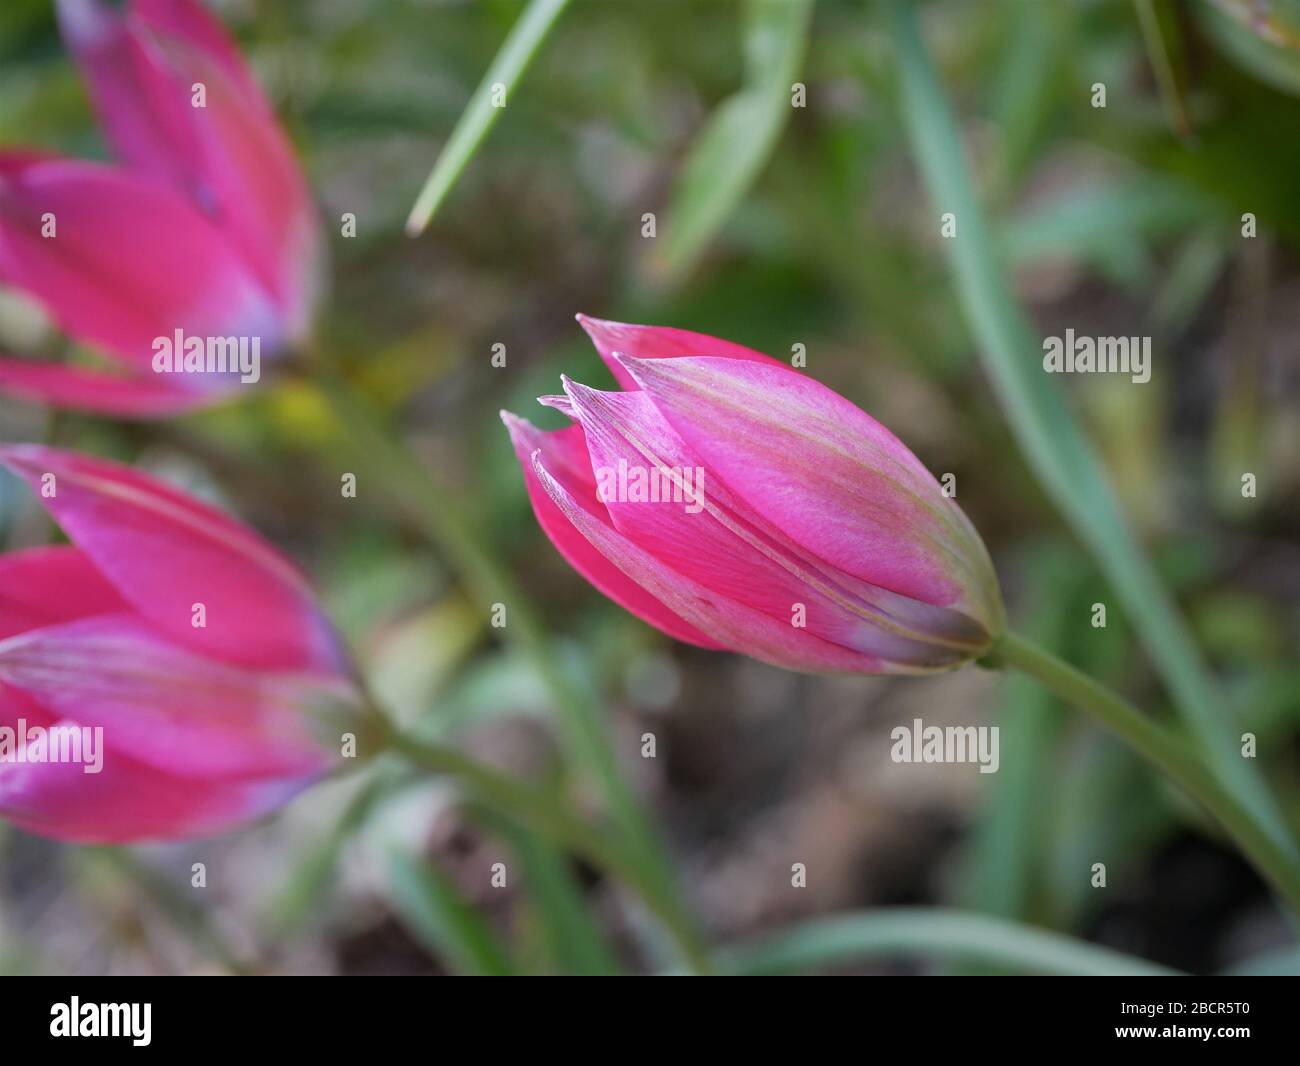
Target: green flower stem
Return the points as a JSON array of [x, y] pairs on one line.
[[1168, 752], [411, 486]]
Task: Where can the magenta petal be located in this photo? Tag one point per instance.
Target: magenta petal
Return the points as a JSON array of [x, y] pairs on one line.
[[827, 475], [169, 707], [731, 624], [563, 452], [660, 496], [130, 261], [230, 156], [141, 103], [165, 552], [127, 800], [126, 395], [658, 342], [190, 22], [46, 586]]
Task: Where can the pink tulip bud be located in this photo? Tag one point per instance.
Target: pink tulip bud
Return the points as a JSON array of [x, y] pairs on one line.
[[205, 232], [735, 503], [189, 658]]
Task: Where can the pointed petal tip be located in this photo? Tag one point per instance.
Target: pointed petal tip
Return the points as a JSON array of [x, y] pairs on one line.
[[601, 329], [575, 390], [523, 433], [563, 404]]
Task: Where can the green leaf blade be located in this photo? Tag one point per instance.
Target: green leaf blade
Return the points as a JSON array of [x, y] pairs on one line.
[[480, 115], [729, 153], [931, 932], [1055, 446], [443, 920]]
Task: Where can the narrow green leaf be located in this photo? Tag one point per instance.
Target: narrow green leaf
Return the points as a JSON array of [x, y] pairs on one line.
[[573, 940], [1161, 34], [730, 151], [930, 932], [312, 876], [1026, 82], [436, 912], [480, 114], [1055, 446], [1197, 266], [1284, 962], [1086, 222]]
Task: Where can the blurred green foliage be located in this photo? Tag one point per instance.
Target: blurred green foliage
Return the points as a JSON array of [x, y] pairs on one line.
[[808, 227]]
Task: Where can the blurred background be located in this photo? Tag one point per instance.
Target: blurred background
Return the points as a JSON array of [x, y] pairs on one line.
[[1123, 220]]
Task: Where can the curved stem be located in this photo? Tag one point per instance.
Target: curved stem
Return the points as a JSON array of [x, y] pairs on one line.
[[411, 486], [1168, 752]]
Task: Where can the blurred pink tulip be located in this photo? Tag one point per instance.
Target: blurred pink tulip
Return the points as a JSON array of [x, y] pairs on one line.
[[220, 688], [205, 227], [735, 503]]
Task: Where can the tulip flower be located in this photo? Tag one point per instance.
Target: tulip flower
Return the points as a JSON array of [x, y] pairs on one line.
[[203, 234], [179, 644], [735, 503]]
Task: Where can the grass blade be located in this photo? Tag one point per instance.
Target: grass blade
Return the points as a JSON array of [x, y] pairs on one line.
[[444, 921], [1284, 962], [480, 114], [314, 875], [931, 932], [1157, 27], [573, 940], [730, 151], [1061, 456]]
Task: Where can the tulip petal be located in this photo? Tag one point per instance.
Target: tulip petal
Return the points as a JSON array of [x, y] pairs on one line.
[[168, 707], [143, 108], [229, 156], [190, 21], [166, 552], [834, 480], [658, 342], [46, 586], [129, 262], [661, 497], [565, 454], [126, 396], [734, 625], [127, 800]]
